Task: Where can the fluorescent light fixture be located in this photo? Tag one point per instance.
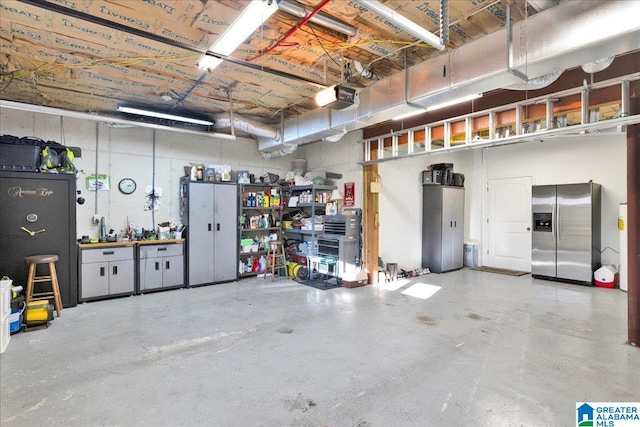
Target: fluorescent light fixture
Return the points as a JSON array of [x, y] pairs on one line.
[[326, 96], [454, 101], [336, 97], [251, 18], [409, 114], [160, 115], [402, 22]]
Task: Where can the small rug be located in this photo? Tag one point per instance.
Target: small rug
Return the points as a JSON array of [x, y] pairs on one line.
[[500, 271], [320, 284]]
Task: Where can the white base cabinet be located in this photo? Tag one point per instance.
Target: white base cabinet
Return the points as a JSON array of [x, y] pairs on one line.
[[107, 272], [161, 266]]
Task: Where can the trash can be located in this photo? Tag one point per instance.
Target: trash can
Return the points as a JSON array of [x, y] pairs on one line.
[[471, 253], [392, 268]]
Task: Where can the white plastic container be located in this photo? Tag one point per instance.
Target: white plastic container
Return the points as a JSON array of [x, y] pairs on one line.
[[606, 276], [471, 253], [5, 298], [5, 336]]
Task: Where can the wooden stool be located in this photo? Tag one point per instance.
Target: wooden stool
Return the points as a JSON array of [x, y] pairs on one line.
[[33, 262], [276, 258]]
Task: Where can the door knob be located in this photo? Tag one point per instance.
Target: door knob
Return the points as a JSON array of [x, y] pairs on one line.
[[528, 228]]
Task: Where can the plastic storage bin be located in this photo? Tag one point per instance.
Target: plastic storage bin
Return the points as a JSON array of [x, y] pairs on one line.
[[15, 321], [471, 253], [5, 298], [5, 335], [19, 157]]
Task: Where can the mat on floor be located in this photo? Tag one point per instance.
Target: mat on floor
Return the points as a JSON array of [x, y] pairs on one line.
[[500, 271], [320, 284]]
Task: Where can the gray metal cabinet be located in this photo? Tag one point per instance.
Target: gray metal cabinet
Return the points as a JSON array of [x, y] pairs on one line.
[[107, 272], [161, 266], [442, 228], [209, 211]]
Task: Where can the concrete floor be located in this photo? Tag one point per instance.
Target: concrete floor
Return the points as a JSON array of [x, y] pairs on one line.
[[484, 350]]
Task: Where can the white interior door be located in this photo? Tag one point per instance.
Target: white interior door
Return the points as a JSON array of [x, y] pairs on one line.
[[509, 223]]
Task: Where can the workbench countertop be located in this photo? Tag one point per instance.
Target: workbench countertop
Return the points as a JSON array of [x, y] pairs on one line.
[[130, 243]]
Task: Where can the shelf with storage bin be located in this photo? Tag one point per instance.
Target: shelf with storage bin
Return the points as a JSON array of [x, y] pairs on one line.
[[568, 112], [259, 215]]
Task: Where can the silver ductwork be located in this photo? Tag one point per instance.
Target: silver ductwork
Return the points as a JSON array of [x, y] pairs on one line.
[[244, 124], [287, 149], [559, 38]]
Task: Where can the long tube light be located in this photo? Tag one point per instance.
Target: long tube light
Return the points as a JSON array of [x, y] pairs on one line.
[[409, 114], [251, 18], [454, 102], [160, 115], [437, 106], [404, 23], [106, 119]]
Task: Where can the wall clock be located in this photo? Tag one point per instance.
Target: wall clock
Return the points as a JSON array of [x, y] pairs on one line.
[[127, 186]]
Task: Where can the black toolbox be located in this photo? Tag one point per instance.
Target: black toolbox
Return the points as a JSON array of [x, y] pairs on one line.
[[20, 157]]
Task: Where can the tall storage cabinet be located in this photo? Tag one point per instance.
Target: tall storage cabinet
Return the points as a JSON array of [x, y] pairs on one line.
[[442, 228], [209, 212]]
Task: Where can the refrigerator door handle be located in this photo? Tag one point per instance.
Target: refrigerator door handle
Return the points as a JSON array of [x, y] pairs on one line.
[[554, 223], [558, 210]]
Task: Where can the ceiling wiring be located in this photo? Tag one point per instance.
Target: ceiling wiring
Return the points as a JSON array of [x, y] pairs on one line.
[[322, 45], [10, 77], [53, 68]]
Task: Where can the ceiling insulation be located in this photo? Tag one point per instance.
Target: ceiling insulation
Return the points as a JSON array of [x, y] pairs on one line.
[[92, 56], [95, 55]]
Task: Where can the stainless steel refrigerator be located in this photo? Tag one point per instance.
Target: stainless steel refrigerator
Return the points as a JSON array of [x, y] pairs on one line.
[[566, 232]]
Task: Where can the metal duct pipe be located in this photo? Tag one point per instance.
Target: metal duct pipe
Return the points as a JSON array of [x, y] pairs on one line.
[[320, 18], [556, 39], [287, 149], [246, 125]]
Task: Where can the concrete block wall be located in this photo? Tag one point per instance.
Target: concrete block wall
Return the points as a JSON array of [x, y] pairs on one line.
[[121, 152]]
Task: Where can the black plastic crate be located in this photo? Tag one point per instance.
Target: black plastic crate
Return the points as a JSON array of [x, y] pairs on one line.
[[19, 157]]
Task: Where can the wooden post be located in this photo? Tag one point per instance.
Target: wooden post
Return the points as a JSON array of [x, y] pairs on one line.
[[633, 221], [370, 223]]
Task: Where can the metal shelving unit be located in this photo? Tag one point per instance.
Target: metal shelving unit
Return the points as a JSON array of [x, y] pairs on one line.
[[319, 197], [251, 225]]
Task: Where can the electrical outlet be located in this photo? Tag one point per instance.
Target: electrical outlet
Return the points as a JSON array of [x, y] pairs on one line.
[[96, 219]]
